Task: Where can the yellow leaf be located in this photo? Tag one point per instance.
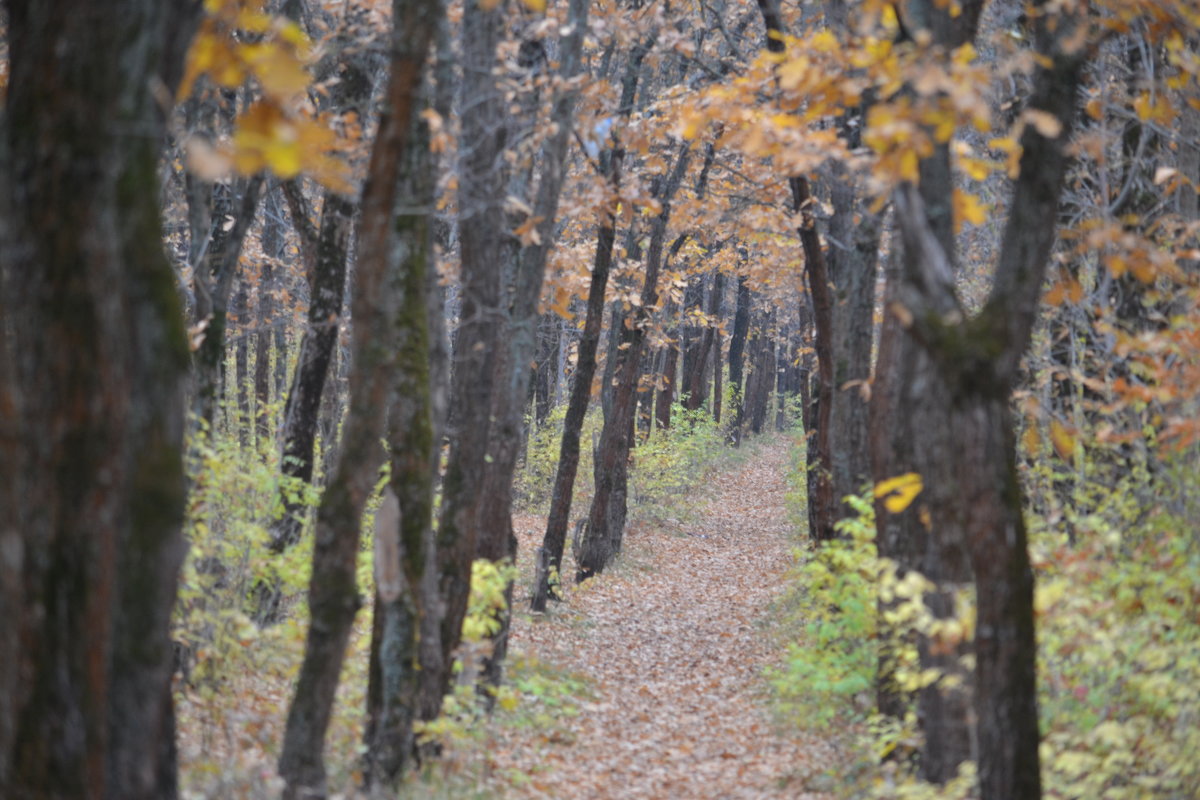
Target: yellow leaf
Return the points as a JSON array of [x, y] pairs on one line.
[[1030, 440], [1117, 265], [824, 42], [1062, 439], [899, 492], [1012, 151], [967, 208], [535, 5], [1043, 122], [976, 168], [280, 72], [793, 73]]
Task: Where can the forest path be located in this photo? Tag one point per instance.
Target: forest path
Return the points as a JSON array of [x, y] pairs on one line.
[[672, 645]]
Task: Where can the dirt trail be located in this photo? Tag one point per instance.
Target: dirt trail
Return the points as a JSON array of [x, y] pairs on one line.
[[671, 642]]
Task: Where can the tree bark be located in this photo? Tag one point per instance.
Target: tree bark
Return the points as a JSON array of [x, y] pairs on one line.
[[333, 593], [93, 341], [601, 538], [978, 357], [404, 641], [302, 413], [554, 540], [518, 346], [737, 349], [481, 221], [214, 275]]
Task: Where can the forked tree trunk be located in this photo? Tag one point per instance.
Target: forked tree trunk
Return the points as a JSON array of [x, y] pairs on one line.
[[404, 642], [333, 590], [911, 403], [978, 357], [93, 355], [605, 527], [554, 540]]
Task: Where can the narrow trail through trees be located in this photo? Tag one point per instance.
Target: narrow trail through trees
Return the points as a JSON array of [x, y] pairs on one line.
[[672, 645]]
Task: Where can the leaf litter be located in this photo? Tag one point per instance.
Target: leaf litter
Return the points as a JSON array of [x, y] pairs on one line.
[[672, 642]]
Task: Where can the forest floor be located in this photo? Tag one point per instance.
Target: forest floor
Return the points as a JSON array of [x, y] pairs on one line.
[[671, 645]]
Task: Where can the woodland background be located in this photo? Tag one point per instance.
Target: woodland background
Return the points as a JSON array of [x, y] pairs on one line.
[[303, 301]]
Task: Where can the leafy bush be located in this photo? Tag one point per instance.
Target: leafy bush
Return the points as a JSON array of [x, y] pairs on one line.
[[829, 673], [1118, 642], [533, 482], [671, 462]]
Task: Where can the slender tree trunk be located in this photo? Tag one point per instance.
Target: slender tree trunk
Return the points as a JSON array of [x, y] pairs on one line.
[[333, 591], [407, 608], [302, 412], [554, 540], [92, 339], [737, 349], [214, 282], [480, 192], [696, 377], [606, 520], [666, 395]]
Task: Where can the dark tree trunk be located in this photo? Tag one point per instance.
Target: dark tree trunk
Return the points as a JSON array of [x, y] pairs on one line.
[[852, 272], [480, 192], [978, 358], [241, 360], [666, 395], [303, 410], [822, 503], [405, 632], [737, 349], [694, 375], [94, 355], [263, 339], [602, 535], [908, 434], [214, 278], [333, 591], [822, 506], [690, 338], [546, 371], [554, 540], [760, 380]]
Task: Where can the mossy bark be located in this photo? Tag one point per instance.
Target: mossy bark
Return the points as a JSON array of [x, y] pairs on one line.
[[333, 591], [91, 448]]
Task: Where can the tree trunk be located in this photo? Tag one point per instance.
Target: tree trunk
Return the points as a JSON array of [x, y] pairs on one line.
[[93, 341], [480, 192], [852, 274], [978, 357], [407, 610], [302, 413], [737, 348], [695, 376], [554, 540], [333, 591], [214, 275], [606, 520], [666, 395]]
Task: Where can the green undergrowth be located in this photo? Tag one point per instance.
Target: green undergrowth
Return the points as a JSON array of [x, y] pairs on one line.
[[1118, 614], [237, 673], [666, 466]]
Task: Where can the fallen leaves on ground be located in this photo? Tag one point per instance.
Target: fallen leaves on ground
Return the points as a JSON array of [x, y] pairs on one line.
[[672, 642]]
